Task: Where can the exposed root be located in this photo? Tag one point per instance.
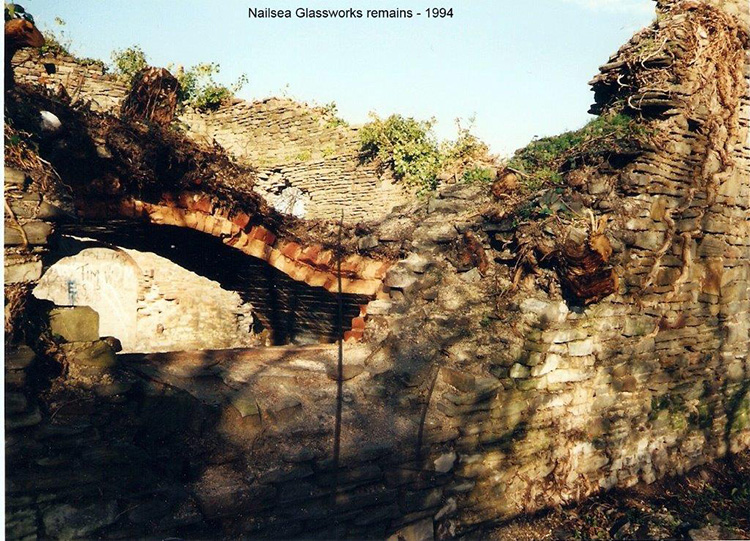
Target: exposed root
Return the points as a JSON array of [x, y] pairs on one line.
[[718, 61], [16, 224], [16, 296], [687, 262]]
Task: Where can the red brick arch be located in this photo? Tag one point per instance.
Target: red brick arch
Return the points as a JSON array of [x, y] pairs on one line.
[[313, 264]]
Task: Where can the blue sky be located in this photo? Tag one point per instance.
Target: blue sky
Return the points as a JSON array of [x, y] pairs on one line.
[[520, 67]]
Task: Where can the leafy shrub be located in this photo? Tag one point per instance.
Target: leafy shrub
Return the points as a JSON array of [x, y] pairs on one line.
[[198, 88], [543, 162], [411, 149], [197, 85], [466, 149], [56, 41], [406, 145], [467, 157], [128, 62], [478, 174]]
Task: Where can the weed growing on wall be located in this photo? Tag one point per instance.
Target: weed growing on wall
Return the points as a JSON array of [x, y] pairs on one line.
[[467, 156], [411, 149], [56, 40], [128, 62], [331, 114], [478, 174], [198, 88], [543, 162], [406, 145]]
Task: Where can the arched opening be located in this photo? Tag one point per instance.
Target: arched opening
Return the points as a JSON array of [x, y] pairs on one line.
[[102, 278], [195, 292]]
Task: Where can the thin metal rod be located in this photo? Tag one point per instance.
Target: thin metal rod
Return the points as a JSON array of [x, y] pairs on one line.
[[340, 374]]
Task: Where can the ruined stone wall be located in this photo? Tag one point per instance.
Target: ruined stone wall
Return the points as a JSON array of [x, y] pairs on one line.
[[304, 148], [292, 145], [479, 395], [88, 83], [148, 302]]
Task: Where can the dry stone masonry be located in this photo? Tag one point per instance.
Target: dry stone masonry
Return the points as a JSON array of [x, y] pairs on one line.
[[149, 303], [476, 393], [308, 161]]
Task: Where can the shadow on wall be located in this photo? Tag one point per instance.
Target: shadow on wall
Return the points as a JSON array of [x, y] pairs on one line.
[[146, 301], [283, 310], [106, 279]]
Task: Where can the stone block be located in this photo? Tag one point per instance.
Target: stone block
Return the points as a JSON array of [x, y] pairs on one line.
[[368, 242], [379, 307], [15, 403], [400, 278], [417, 263], [519, 371], [221, 492], [32, 418], [349, 371], [75, 323], [245, 402], [551, 362], [20, 358], [580, 348], [40, 210], [67, 522], [444, 463], [36, 233], [567, 376], [547, 312], [14, 177], [97, 355], [284, 410], [460, 380], [419, 531], [440, 233], [18, 271], [21, 524]]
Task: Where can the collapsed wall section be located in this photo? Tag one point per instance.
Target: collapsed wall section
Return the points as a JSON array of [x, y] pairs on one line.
[[308, 160], [482, 393], [148, 302]]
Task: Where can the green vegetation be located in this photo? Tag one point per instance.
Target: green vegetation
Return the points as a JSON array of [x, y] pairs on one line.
[[56, 40], [128, 62], [199, 89], [197, 85], [16, 11], [331, 113], [329, 151], [407, 145], [478, 174], [543, 162], [411, 149], [460, 157]]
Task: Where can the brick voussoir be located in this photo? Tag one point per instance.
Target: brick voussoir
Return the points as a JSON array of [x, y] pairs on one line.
[[310, 264]]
